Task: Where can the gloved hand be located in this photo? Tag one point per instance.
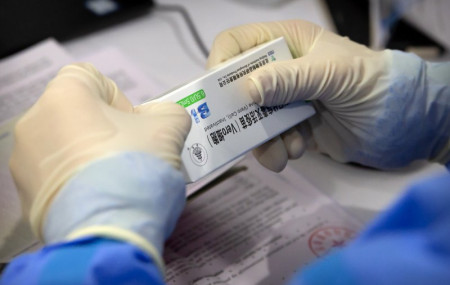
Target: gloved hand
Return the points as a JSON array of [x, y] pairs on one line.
[[83, 118], [382, 109]]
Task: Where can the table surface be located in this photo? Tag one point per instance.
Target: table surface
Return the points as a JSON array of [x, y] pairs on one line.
[[161, 45]]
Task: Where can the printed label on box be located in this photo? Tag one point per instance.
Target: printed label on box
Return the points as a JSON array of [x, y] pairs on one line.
[[225, 122]]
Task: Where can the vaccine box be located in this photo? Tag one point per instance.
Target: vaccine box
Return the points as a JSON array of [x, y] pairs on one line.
[[225, 122]]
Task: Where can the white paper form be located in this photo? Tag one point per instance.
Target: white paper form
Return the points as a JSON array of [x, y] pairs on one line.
[[255, 227], [137, 87], [23, 78]]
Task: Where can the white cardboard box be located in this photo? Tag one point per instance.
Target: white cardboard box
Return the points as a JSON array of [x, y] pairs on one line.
[[225, 122]]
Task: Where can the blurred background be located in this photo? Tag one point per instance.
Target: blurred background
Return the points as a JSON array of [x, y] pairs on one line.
[[413, 25]]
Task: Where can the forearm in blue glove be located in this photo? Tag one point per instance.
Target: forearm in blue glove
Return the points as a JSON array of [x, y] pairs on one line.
[[408, 244], [84, 261], [131, 197]]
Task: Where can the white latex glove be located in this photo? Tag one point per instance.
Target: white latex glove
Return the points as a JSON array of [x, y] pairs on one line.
[[83, 117], [382, 109]]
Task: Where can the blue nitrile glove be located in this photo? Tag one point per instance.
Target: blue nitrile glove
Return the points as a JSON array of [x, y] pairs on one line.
[[383, 109]]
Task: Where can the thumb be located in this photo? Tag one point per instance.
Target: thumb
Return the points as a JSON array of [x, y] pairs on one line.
[[305, 78]]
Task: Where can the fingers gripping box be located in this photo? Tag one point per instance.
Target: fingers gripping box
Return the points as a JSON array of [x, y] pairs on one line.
[[225, 122]]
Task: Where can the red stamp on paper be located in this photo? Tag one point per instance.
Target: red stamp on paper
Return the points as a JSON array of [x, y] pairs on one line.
[[324, 239]]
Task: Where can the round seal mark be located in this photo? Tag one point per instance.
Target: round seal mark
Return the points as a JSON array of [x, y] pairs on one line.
[[324, 239], [198, 153]]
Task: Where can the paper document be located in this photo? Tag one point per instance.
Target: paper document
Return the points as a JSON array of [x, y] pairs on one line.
[[23, 76], [137, 87], [254, 227]]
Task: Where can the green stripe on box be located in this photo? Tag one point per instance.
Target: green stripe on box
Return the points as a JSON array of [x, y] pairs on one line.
[[191, 99]]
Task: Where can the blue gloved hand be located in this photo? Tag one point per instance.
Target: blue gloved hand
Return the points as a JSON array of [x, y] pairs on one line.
[[408, 244], [383, 109]]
